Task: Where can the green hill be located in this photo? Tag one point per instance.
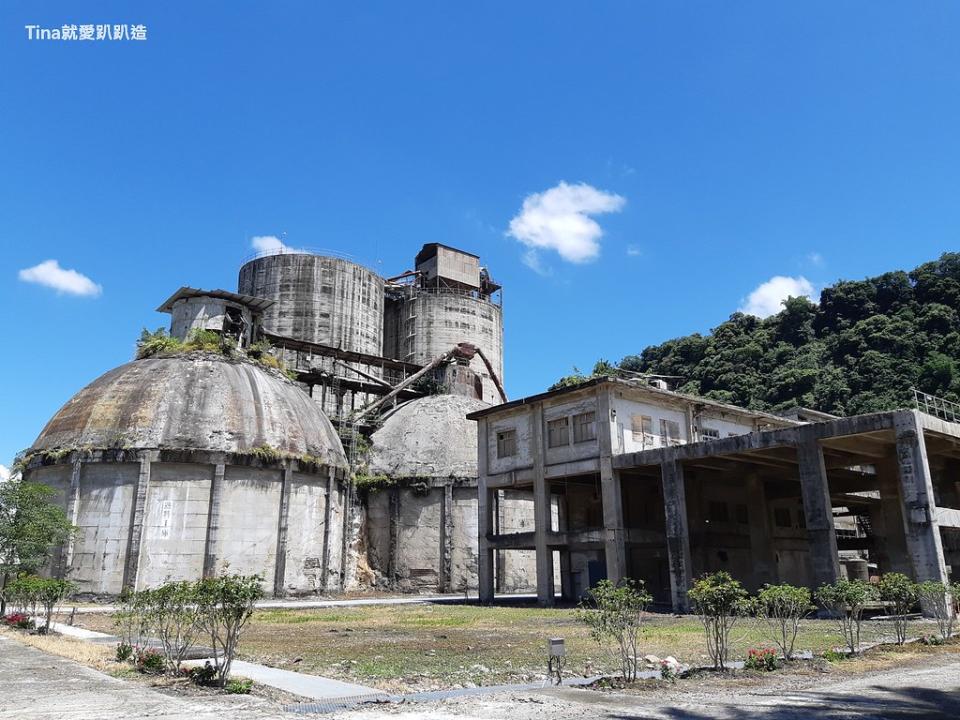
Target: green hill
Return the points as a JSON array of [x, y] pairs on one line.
[[861, 349]]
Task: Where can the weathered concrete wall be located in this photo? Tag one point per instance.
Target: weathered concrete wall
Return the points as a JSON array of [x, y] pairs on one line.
[[250, 508], [463, 559], [103, 514], [175, 524], [306, 524]]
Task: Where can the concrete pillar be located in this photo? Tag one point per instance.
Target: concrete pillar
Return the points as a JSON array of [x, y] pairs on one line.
[[566, 576], [73, 511], [818, 511], [446, 539], [485, 508], [922, 533], [327, 515], [131, 570], [542, 512], [213, 521], [678, 533], [280, 563], [887, 524], [762, 552], [393, 564], [611, 491]]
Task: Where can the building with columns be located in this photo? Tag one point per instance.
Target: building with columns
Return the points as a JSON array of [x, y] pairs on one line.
[[631, 480]]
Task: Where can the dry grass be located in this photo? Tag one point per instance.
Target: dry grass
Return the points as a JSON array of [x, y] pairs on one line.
[[100, 657]]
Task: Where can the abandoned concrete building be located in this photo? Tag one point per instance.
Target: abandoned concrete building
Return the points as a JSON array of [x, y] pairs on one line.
[[181, 466], [632, 480]]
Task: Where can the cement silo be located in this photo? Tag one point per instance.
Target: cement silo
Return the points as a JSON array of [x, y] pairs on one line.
[[184, 466], [318, 299], [448, 299]]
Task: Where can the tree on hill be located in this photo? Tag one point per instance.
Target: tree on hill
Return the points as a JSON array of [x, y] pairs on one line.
[[861, 349]]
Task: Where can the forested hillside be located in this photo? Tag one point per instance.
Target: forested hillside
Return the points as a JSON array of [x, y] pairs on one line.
[[861, 349]]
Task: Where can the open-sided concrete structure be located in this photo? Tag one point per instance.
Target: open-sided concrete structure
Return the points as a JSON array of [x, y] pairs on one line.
[[664, 487]]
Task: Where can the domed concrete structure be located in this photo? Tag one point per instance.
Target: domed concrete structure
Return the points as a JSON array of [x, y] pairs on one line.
[[183, 466], [428, 437], [422, 526]]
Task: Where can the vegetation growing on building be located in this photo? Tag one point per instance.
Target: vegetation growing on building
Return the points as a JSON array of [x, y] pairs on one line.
[[160, 343]]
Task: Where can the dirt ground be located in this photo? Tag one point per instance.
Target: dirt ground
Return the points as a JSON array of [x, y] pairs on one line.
[[427, 647]]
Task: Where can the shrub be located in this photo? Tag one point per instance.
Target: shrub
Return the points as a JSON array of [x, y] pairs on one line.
[[124, 652], [669, 669], [149, 660], [834, 656], [203, 675], [18, 620], [239, 686], [782, 608], [32, 594], [719, 600], [902, 594], [845, 600], [225, 604], [158, 342], [763, 659], [174, 618], [931, 640], [615, 612], [937, 599]]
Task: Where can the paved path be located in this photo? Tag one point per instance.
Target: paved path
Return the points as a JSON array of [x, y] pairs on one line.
[[37, 686]]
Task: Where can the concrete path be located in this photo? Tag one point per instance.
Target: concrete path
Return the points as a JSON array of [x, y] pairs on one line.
[[311, 686], [37, 686]]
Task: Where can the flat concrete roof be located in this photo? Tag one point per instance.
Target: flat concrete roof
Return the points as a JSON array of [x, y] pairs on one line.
[[254, 303], [638, 386]]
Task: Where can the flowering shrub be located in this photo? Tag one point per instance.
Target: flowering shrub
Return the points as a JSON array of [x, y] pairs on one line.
[[19, 620], [149, 660], [764, 659], [932, 640], [669, 669]]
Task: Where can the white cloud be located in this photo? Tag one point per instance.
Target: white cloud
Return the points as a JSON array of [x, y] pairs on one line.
[[559, 219], [50, 274], [815, 258], [634, 251], [270, 245], [4, 473], [767, 299]]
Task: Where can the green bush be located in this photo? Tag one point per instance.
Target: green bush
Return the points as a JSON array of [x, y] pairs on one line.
[[845, 601], [149, 661], [938, 599], [239, 686], [225, 604], [35, 594], [615, 613], [124, 652], [782, 608], [204, 674], [719, 600], [902, 594]]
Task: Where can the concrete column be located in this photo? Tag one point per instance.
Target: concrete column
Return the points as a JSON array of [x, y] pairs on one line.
[[611, 491], [213, 521], [327, 515], [887, 524], [394, 510], [762, 551], [345, 537], [566, 576], [131, 570], [280, 563], [73, 512], [542, 512], [818, 511], [485, 508], [922, 533], [446, 539], [678, 533]]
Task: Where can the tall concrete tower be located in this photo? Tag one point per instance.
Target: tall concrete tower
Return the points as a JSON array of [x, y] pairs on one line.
[[447, 299]]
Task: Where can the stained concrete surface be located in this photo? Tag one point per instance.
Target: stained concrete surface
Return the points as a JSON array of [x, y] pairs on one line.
[[38, 686]]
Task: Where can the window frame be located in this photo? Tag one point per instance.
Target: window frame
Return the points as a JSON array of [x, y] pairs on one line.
[[559, 424], [506, 439], [590, 425]]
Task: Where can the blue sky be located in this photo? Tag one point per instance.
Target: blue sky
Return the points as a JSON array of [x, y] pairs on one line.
[[726, 143]]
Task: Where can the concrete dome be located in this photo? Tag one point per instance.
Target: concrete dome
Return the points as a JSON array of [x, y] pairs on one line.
[[428, 437], [198, 401]]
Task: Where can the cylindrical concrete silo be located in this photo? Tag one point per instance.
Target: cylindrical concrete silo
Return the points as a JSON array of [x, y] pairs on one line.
[[318, 299]]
